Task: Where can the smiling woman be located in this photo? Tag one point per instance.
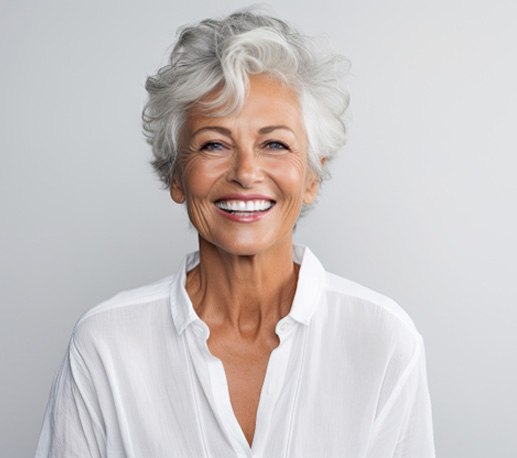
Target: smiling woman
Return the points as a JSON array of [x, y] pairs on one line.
[[251, 349], [247, 167]]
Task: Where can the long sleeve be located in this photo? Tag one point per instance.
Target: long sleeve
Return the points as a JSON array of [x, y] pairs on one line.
[[72, 426], [404, 427]]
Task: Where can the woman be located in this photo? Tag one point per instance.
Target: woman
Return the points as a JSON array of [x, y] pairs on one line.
[[251, 349]]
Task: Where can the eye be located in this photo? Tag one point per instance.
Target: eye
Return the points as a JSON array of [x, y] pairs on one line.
[[212, 146], [274, 145]]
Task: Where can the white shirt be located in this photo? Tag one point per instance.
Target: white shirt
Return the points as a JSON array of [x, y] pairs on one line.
[[348, 379]]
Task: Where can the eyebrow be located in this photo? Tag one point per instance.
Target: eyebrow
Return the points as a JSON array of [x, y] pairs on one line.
[[268, 129], [222, 130], [228, 132]]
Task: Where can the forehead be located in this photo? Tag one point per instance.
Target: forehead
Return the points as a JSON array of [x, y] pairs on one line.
[[268, 102]]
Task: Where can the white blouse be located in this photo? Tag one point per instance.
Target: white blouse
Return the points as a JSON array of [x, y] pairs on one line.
[[348, 379]]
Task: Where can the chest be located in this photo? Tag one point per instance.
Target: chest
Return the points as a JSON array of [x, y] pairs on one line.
[[245, 366], [287, 400]]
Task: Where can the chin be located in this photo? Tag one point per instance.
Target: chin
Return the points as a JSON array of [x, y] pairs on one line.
[[244, 246]]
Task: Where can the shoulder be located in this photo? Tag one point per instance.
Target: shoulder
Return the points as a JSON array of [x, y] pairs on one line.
[[369, 318], [362, 299], [372, 329], [126, 311], [136, 297]]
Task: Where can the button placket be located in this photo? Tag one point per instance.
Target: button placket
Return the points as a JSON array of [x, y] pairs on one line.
[[215, 386], [275, 376]]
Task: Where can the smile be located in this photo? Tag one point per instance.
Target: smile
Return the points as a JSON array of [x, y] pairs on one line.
[[244, 206]]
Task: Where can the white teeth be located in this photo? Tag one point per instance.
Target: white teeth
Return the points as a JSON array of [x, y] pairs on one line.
[[244, 205]]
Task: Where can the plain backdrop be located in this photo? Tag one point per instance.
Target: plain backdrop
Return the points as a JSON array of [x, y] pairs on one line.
[[421, 207]]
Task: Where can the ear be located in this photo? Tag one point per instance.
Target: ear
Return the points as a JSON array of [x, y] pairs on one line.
[[311, 189], [313, 184], [176, 191]]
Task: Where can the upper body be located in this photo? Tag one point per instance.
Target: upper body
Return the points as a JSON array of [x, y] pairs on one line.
[[347, 379], [243, 122]]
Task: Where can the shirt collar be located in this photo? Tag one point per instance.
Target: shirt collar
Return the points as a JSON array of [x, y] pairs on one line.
[[182, 310], [306, 298], [310, 284]]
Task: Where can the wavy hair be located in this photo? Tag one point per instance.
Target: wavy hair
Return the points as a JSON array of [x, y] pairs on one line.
[[220, 54]]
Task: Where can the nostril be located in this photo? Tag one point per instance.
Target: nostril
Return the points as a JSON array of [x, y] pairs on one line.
[[246, 171]]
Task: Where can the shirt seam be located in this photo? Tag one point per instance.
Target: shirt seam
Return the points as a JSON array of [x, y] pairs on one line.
[[144, 301], [95, 418], [193, 392], [297, 391], [410, 326], [400, 385]]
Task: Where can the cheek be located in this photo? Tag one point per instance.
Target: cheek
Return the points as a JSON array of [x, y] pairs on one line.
[[199, 176], [290, 174]]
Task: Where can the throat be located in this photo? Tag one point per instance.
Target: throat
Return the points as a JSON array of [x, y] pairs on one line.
[[250, 309], [247, 293]]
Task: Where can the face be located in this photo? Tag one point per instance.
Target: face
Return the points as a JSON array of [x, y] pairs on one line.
[[245, 176]]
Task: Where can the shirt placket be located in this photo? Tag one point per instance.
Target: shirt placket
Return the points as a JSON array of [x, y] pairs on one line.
[[211, 374], [212, 377], [273, 387]]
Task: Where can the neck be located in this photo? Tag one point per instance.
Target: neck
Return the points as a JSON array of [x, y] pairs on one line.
[[248, 293]]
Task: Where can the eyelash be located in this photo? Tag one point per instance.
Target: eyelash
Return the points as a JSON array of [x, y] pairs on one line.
[[218, 146], [209, 146], [282, 145]]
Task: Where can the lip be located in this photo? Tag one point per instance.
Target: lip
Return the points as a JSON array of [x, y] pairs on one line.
[[241, 217], [245, 218], [244, 197]]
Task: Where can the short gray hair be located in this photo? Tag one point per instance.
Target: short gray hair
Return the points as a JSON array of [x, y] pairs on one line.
[[220, 54]]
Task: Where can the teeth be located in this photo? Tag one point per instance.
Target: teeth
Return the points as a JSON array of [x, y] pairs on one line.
[[244, 205]]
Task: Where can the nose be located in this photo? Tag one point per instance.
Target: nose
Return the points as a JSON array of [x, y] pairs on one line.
[[246, 169]]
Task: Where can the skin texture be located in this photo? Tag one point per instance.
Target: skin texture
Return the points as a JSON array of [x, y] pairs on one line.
[[246, 278]]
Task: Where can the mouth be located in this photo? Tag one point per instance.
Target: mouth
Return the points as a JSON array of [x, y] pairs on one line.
[[245, 207]]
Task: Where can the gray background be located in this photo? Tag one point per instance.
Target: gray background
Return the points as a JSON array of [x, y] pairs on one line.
[[422, 206]]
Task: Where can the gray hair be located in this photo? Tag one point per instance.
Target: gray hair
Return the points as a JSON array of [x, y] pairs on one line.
[[220, 54]]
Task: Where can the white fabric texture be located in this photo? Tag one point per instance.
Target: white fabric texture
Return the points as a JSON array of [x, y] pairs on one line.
[[348, 379]]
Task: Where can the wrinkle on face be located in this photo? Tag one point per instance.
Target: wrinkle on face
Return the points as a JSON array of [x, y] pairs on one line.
[[243, 161]]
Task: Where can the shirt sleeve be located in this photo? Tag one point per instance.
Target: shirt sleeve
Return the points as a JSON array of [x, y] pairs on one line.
[[404, 428], [72, 425]]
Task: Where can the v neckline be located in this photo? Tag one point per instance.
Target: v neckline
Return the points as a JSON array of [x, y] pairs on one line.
[[215, 384]]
